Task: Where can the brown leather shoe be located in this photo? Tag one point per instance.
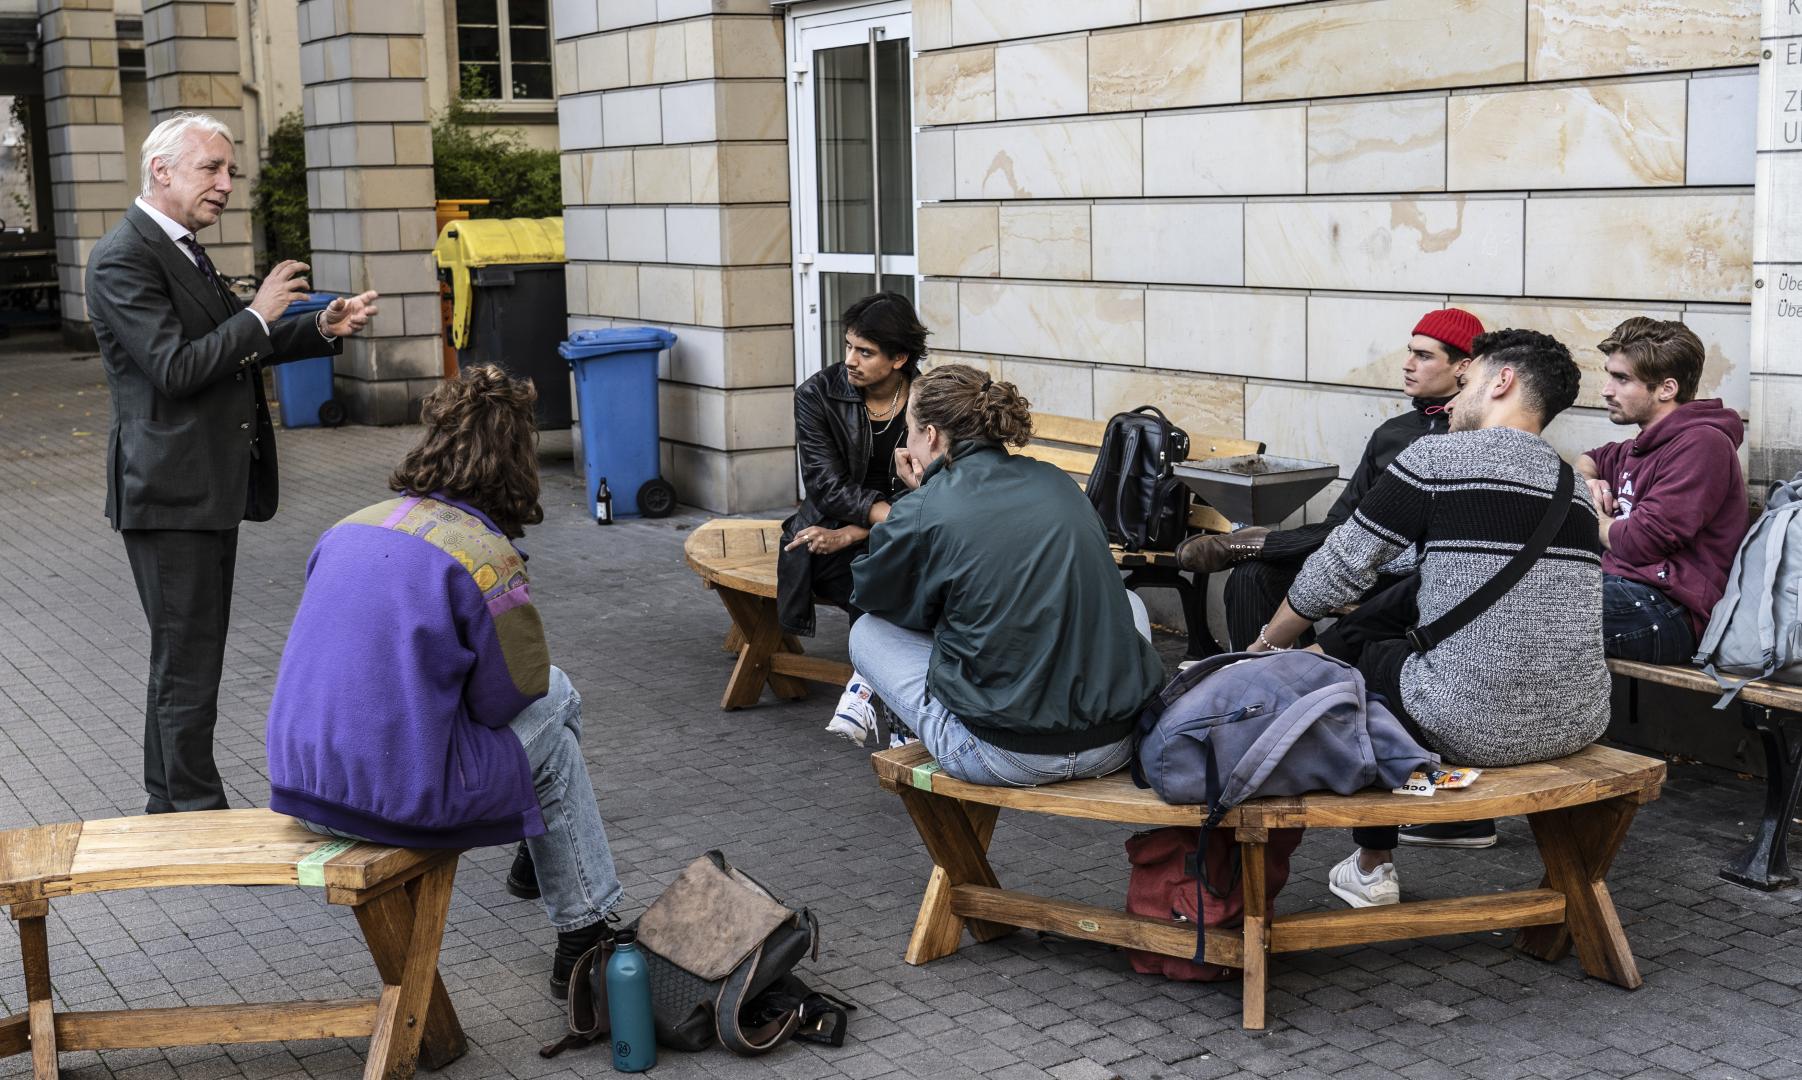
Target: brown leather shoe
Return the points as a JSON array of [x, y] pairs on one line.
[[1213, 552]]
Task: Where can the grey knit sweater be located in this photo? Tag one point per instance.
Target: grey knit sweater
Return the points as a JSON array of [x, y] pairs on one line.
[[1525, 680]]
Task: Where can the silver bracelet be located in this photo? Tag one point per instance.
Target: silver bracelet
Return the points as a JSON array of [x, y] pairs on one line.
[[1264, 641], [319, 325]]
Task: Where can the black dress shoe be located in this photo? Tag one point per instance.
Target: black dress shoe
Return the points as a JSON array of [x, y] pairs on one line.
[[522, 880]]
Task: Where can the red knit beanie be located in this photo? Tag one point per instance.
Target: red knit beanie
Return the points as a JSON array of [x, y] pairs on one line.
[[1453, 326]]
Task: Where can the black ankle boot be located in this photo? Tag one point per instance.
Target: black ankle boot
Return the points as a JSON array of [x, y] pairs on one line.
[[522, 880], [570, 947]]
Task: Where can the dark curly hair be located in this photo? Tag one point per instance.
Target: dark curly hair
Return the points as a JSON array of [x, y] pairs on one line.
[[480, 447], [888, 319], [1547, 375], [964, 403]]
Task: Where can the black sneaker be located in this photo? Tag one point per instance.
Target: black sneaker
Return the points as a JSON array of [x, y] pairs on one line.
[[522, 880], [1455, 834], [570, 947]]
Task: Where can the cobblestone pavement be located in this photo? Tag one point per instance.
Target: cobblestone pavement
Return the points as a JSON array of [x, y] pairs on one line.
[[641, 640]]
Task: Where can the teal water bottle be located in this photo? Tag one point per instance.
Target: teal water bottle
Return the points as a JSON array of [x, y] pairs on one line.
[[629, 1006]]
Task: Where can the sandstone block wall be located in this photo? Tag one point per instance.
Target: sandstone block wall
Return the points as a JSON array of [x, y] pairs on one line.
[[91, 180], [369, 190], [1238, 209], [673, 128]]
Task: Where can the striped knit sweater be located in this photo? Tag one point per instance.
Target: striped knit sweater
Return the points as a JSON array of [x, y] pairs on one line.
[[1525, 680]]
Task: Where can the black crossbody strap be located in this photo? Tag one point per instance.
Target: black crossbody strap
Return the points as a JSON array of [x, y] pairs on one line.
[[1424, 638]]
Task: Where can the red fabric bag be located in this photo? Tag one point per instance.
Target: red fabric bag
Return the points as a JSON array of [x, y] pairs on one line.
[[1163, 885]]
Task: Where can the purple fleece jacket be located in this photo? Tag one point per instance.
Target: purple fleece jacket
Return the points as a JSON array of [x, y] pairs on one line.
[[1680, 505], [415, 645]]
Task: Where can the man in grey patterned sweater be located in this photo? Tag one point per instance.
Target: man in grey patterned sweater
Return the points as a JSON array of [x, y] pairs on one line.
[[1523, 681]]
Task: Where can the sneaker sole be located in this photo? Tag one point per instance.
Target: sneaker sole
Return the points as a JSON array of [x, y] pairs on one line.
[[1460, 842], [1356, 900], [845, 729]]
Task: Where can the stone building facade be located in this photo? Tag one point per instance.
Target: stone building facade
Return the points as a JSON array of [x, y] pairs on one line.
[[1234, 209]]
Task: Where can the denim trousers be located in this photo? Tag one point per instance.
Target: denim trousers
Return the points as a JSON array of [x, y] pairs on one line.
[[1641, 623], [574, 863], [895, 659]]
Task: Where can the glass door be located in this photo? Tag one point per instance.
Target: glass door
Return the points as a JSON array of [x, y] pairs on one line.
[[852, 175]]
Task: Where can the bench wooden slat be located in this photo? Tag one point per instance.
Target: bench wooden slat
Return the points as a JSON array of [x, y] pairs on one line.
[[217, 847], [1761, 692], [1168, 937], [1592, 774], [132, 1029], [30, 856]]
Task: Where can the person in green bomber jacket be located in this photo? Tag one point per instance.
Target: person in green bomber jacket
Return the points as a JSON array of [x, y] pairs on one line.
[[998, 626]]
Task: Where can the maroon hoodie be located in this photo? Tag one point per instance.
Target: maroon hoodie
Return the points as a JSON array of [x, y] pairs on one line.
[[1680, 505]]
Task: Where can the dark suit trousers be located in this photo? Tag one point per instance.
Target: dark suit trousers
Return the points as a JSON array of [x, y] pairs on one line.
[[185, 583]]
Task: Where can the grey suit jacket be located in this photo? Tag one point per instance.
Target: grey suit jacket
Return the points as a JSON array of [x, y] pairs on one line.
[[191, 444]]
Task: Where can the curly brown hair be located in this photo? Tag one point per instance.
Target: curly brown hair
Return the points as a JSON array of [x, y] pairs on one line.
[[480, 447], [965, 403]]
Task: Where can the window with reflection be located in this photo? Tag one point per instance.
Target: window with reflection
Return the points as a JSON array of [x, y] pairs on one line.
[[504, 50]]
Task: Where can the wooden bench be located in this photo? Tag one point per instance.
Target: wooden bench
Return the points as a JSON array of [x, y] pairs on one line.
[[1579, 807], [1774, 711], [400, 897], [736, 558]]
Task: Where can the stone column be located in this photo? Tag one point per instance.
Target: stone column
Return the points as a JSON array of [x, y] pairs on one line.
[[369, 187], [191, 64], [90, 185], [673, 128], [1776, 436]]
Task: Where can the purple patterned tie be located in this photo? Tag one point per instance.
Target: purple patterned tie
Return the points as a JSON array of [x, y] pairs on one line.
[[198, 250]]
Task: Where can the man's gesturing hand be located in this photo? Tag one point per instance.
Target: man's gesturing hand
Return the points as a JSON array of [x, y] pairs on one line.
[[348, 314], [282, 287]]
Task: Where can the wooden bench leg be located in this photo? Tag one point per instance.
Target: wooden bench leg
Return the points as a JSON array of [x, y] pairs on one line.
[[34, 952], [956, 835], [1257, 927], [415, 1022], [756, 621], [1578, 846], [1765, 864]]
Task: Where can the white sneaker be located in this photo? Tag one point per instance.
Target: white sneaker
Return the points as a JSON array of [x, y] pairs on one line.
[[1382, 886], [855, 717]]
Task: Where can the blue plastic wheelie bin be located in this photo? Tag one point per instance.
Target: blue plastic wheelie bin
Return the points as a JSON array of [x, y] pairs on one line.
[[616, 397], [303, 388]]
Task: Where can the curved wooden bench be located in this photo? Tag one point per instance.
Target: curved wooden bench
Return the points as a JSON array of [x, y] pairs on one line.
[[1774, 712], [400, 897], [736, 557], [1579, 807]]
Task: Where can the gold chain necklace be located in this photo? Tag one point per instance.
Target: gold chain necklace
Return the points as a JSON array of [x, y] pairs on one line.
[[888, 414]]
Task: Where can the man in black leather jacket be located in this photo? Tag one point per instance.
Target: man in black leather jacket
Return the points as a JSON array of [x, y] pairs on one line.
[[849, 419], [1266, 561]]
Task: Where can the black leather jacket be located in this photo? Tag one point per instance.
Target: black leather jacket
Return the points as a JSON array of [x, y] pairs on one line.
[[832, 445]]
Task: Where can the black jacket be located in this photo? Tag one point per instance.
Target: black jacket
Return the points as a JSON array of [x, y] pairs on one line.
[[832, 446], [1004, 562], [186, 369], [1427, 417]]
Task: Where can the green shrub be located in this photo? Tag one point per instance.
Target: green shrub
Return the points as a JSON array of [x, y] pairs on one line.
[[279, 200], [474, 161]]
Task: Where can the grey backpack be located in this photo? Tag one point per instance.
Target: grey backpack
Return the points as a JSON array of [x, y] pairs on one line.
[[1755, 631]]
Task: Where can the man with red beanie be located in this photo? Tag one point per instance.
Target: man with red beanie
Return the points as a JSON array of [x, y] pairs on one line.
[[1672, 499], [1265, 561]]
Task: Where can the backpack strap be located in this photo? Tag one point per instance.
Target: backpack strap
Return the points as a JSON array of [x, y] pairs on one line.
[[1424, 638], [735, 994]]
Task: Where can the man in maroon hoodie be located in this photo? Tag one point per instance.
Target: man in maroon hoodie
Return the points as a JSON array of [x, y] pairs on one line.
[[1673, 499]]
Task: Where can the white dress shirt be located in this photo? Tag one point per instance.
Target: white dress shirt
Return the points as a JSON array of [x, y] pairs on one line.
[[178, 233]]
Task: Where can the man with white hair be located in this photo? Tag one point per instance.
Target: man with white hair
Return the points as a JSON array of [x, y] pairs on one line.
[[191, 451]]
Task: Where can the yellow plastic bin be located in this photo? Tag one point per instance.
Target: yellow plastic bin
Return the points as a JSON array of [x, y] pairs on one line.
[[507, 302]]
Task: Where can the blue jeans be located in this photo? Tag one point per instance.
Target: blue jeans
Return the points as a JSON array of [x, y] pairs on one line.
[[895, 659], [574, 863], [1641, 623]]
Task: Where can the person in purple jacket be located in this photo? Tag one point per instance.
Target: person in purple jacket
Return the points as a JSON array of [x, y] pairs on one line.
[[1673, 499], [416, 704]]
